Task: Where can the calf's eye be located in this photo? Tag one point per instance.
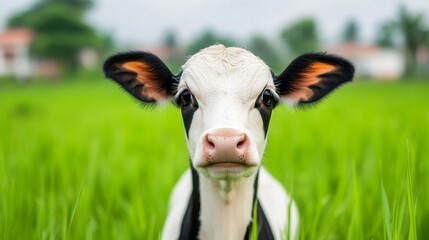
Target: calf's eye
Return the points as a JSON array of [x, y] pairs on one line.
[[267, 97], [185, 97]]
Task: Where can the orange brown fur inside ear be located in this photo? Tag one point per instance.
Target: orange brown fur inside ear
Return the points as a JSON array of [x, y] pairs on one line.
[[142, 74], [317, 69], [310, 77], [145, 76]]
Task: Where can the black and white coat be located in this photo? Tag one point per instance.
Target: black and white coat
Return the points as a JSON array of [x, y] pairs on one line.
[[226, 96]]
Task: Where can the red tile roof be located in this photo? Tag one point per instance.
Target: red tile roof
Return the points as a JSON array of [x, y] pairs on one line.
[[16, 37]]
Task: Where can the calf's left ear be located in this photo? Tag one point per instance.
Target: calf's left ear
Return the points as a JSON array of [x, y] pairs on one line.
[[142, 74], [312, 76]]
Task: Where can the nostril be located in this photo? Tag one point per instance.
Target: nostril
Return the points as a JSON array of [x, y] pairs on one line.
[[241, 144], [209, 143]]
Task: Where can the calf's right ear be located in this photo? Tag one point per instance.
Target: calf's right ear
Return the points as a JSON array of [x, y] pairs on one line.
[[142, 74]]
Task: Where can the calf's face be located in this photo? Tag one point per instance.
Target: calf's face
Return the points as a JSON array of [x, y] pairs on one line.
[[226, 96]]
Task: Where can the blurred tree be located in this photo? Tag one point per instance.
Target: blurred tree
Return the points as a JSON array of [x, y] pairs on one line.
[[175, 60], [301, 36], [385, 35], [427, 51], [206, 39], [413, 31], [61, 32], [262, 48], [351, 31], [80, 5], [170, 39]]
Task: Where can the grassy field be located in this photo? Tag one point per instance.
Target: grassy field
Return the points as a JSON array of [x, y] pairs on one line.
[[82, 160]]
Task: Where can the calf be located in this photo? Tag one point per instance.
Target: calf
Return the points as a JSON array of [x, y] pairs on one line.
[[226, 96]]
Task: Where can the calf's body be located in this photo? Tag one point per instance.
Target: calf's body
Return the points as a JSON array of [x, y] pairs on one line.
[[226, 96]]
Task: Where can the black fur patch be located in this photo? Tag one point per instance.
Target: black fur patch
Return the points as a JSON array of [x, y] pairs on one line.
[[191, 221], [188, 111], [265, 110]]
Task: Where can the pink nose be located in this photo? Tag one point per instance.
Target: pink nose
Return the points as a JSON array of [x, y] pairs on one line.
[[226, 145]]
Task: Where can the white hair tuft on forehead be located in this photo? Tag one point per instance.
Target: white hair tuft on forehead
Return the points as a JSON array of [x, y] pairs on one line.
[[223, 60]]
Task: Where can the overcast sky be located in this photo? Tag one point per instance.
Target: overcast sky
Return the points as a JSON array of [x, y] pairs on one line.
[[145, 22]]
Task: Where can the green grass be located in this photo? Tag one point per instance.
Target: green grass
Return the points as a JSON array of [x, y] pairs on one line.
[[82, 160]]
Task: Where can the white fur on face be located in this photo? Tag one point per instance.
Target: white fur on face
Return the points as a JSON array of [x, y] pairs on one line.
[[226, 83]]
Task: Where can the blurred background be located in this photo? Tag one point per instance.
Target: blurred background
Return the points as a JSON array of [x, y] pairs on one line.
[[49, 38], [80, 159]]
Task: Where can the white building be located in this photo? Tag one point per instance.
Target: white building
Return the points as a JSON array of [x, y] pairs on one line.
[[14, 53], [371, 60]]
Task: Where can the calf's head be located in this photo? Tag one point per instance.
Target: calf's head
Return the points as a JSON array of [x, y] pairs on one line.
[[226, 96]]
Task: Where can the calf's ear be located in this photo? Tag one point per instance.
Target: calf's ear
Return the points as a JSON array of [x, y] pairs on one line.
[[312, 76], [142, 74]]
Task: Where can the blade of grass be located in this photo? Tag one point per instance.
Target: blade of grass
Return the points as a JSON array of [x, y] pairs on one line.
[[355, 228], [76, 202], [398, 213], [289, 212], [255, 229], [316, 222], [386, 209], [412, 234]]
